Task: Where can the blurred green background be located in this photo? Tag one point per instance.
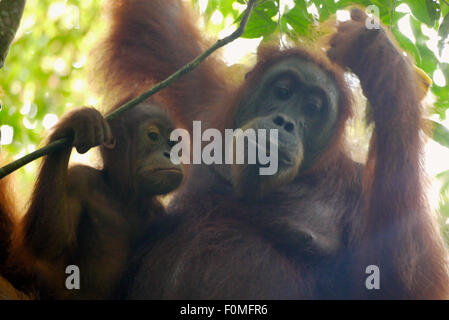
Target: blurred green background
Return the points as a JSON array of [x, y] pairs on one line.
[[45, 72], [44, 75]]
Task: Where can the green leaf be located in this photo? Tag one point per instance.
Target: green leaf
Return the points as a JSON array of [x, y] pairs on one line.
[[444, 191], [433, 9], [440, 107], [444, 8], [428, 60], [426, 11], [383, 4], [440, 133], [444, 177], [343, 4], [443, 32], [445, 69], [269, 7], [385, 17], [325, 8], [442, 93], [407, 45], [260, 23], [298, 18]]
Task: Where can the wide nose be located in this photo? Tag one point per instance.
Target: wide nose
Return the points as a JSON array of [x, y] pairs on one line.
[[283, 123]]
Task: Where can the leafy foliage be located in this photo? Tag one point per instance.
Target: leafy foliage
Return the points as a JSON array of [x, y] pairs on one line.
[[43, 74]]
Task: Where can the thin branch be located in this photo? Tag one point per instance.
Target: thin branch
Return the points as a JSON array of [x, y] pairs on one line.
[[65, 142], [49, 148], [10, 15], [392, 14], [280, 25], [445, 2]]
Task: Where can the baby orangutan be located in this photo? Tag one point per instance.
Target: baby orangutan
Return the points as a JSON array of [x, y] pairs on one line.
[[91, 218]]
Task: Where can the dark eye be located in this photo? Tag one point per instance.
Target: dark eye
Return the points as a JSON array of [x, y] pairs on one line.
[[282, 93], [154, 136]]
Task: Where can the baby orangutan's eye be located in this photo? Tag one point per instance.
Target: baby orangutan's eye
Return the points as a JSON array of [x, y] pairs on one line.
[[153, 136], [153, 133]]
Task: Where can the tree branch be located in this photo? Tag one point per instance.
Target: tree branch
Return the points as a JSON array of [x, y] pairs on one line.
[[65, 142], [392, 14], [10, 15]]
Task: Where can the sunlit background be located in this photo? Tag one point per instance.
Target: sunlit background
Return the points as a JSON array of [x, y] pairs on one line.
[[45, 74]]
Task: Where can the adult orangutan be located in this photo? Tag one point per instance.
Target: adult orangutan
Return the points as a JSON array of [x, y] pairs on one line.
[[312, 229]]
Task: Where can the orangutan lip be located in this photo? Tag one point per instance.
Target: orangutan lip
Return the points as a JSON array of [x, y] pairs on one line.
[[167, 170]]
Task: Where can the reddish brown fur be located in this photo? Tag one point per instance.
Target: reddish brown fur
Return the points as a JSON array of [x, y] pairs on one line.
[[83, 216], [230, 249], [394, 178], [385, 218], [7, 224], [136, 66], [7, 217]]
